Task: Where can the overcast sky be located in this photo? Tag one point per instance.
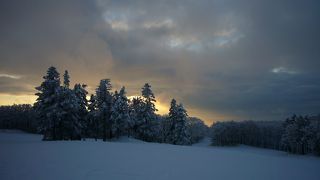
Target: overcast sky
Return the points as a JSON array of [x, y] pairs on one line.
[[223, 59]]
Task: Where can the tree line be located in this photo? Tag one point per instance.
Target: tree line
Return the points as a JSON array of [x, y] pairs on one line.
[[18, 116], [298, 134], [64, 113]]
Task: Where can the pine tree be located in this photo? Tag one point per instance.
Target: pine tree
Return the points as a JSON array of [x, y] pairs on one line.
[[136, 109], [120, 113], [66, 81], [104, 104], [149, 97], [46, 104], [177, 133], [147, 130], [81, 94], [68, 108], [181, 135], [169, 126], [293, 139], [93, 122]]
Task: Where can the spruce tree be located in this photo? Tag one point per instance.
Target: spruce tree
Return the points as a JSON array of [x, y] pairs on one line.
[[149, 97], [81, 94], [177, 125], [66, 79], [180, 128], [169, 126], [104, 104], [136, 109], [93, 122], [120, 113], [68, 108], [46, 104], [147, 130]]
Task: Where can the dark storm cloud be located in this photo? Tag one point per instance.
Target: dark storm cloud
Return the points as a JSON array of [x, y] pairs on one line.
[[245, 59]]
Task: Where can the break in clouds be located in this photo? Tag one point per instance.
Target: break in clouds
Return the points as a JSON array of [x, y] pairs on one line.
[[223, 59]]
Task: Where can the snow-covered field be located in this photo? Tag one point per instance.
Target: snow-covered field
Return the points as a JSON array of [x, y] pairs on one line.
[[25, 157]]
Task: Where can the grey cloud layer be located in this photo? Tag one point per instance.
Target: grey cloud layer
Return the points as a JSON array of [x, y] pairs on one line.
[[232, 57]]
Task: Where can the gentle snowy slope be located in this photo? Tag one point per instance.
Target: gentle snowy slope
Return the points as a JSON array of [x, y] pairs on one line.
[[25, 156]]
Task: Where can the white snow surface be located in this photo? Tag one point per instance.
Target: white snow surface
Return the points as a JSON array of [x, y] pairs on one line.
[[25, 157]]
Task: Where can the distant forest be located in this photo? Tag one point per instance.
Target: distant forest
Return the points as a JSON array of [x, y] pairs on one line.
[[64, 113], [298, 134]]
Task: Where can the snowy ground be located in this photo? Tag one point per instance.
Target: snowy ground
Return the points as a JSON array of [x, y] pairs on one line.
[[25, 157]]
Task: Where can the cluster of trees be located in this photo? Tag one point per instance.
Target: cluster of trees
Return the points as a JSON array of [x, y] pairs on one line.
[[20, 116], [296, 135], [197, 129], [253, 133], [301, 135], [66, 114]]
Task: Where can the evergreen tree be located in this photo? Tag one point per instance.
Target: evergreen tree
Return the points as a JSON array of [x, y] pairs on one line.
[[294, 137], [68, 108], [81, 94], [312, 135], [169, 124], [66, 81], [147, 130], [149, 97], [46, 104], [104, 104], [136, 109], [93, 127], [177, 134], [164, 128], [120, 113]]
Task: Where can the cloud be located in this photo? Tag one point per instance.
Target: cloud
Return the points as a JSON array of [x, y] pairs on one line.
[[222, 59], [15, 86], [10, 76], [282, 70]]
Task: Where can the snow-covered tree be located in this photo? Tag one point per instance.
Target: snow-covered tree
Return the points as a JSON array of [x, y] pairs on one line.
[[136, 109], [104, 105], [147, 129], [179, 115], [81, 94], [93, 127], [66, 79], [294, 138], [46, 104], [120, 114], [196, 128], [312, 135], [168, 125], [68, 116], [174, 127], [149, 97]]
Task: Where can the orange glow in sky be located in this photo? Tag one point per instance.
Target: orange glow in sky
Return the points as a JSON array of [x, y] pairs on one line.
[[163, 108], [9, 99]]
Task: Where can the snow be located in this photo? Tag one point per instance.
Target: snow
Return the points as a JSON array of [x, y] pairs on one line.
[[25, 156]]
